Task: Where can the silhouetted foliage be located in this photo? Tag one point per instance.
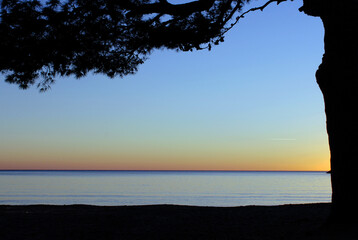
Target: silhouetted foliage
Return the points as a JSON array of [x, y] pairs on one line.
[[42, 40]]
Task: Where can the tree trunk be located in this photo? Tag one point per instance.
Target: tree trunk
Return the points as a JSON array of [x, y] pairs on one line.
[[337, 77]]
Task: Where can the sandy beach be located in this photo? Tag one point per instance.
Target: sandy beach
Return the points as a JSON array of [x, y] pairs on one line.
[[306, 221]]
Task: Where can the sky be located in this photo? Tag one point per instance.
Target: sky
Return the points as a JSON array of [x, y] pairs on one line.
[[251, 103]]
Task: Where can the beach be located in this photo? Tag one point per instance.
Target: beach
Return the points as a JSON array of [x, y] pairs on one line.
[[302, 221]]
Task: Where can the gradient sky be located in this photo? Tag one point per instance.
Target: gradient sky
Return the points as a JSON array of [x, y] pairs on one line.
[[251, 103]]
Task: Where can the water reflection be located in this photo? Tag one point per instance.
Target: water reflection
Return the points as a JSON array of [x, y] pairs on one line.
[[163, 187]]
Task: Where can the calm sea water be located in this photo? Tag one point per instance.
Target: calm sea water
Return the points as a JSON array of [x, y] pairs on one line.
[[163, 187]]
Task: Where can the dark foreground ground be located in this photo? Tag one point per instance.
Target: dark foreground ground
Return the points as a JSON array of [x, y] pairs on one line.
[[170, 222]]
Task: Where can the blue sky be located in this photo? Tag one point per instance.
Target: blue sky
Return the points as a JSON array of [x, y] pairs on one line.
[[251, 103]]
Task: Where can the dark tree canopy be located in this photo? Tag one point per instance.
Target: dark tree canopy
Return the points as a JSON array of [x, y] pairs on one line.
[[41, 40]]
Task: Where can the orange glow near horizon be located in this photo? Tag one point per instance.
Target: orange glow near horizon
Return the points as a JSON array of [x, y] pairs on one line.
[[97, 162], [257, 155]]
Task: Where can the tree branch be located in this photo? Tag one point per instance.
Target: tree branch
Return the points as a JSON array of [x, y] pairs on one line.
[[164, 7], [261, 8]]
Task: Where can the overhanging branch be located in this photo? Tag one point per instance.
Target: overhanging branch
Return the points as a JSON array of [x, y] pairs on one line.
[[164, 7], [261, 8]]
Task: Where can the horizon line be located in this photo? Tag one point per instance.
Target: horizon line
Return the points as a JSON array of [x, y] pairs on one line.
[[161, 170]]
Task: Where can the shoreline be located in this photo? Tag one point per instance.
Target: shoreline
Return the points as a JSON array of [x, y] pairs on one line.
[[299, 221]]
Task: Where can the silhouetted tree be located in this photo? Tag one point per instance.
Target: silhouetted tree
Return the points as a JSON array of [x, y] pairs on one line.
[[41, 40], [337, 77]]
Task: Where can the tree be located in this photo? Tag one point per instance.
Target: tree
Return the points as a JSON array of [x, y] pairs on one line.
[[337, 78], [39, 41]]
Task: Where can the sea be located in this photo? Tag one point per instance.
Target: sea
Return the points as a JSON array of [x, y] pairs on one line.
[[197, 188]]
